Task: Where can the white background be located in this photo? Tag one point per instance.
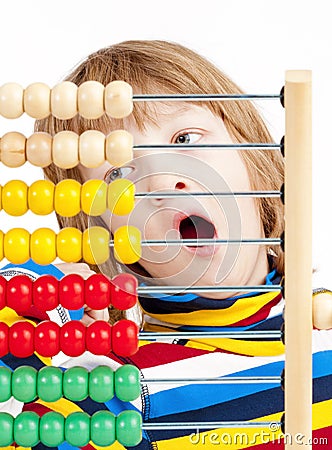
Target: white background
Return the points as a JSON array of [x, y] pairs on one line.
[[253, 41]]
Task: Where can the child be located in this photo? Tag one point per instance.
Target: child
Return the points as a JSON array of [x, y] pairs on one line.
[[162, 67]]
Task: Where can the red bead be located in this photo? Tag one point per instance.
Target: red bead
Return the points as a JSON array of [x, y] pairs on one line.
[[99, 337], [71, 291], [3, 286], [45, 293], [47, 339], [72, 338], [124, 291], [21, 339], [4, 334], [97, 291], [19, 293], [125, 338]]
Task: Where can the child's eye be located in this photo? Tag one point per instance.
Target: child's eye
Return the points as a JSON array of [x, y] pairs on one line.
[[187, 138], [117, 172]]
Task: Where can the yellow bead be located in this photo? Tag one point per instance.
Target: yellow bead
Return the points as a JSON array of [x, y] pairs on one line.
[[93, 197], [119, 147], [67, 198], [1, 245], [37, 100], [64, 100], [43, 246], [16, 245], [121, 197], [95, 245], [118, 99], [41, 197], [127, 244], [69, 245], [15, 198], [0, 197], [11, 100]]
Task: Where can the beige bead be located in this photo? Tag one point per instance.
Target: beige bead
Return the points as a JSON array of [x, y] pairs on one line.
[[11, 100], [37, 100], [39, 149], [322, 310], [90, 99], [12, 149], [92, 148], [65, 149], [118, 99], [119, 148], [64, 100]]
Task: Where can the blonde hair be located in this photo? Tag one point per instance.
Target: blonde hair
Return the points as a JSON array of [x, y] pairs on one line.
[[159, 66]]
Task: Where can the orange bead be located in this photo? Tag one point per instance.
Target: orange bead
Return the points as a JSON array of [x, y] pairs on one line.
[[15, 198], [93, 197], [43, 246], [67, 198], [69, 245], [95, 245], [16, 245], [41, 197]]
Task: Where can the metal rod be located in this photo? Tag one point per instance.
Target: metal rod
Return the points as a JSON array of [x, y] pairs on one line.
[[240, 146], [182, 194], [141, 290], [205, 242], [223, 380], [202, 97], [152, 336], [208, 425]]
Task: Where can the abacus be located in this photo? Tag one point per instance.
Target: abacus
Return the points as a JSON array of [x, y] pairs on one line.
[[66, 149]]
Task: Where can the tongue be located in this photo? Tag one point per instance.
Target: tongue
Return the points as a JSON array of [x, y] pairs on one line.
[[194, 227]]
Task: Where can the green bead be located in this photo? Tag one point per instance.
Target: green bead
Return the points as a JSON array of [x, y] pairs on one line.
[[49, 384], [103, 428], [127, 383], [76, 383], [26, 429], [52, 429], [6, 429], [101, 384], [77, 429], [129, 428], [24, 384], [5, 384]]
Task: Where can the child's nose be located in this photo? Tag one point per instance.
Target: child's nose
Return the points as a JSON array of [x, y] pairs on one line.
[[164, 183]]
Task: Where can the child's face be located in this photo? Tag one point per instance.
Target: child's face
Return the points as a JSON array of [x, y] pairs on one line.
[[200, 170]]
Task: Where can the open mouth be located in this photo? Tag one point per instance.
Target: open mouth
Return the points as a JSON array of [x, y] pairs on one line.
[[195, 227]]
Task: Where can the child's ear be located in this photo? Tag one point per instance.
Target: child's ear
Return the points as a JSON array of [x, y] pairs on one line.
[[322, 309]]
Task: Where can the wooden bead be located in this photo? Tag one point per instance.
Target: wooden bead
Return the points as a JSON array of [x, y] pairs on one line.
[[67, 198], [95, 245], [1, 245], [119, 148], [39, 149], [15, 198], [121, 197], [322, 310], [92, 148], [64, 100], [41, 197], [90, 99], [118, 99], [37, 100], [69, 245], [65, 149], [11, 100], [12, 149], [127, 244], [93, 197], [16, 245], [43, 246]]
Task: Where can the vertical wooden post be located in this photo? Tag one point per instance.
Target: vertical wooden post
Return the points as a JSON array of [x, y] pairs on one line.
[[298, 259]]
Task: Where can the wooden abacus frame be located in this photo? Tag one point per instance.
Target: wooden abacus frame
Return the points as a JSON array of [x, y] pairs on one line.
[[298, 257]]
